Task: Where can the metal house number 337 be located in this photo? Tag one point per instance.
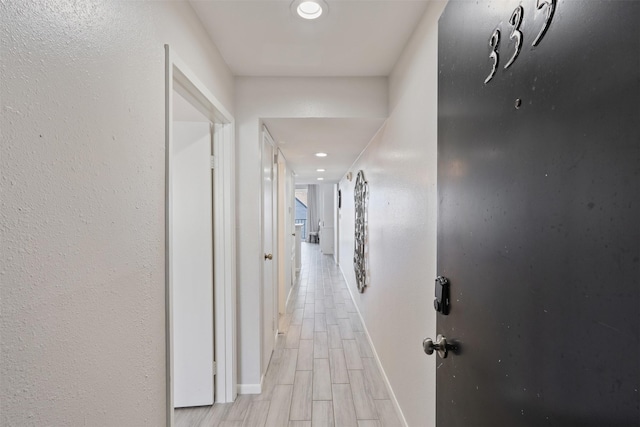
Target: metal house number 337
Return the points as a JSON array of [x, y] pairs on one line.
[[515, 21]]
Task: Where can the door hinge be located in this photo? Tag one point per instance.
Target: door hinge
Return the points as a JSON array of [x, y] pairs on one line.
[[213, 162], [275, 158], [215, 368]]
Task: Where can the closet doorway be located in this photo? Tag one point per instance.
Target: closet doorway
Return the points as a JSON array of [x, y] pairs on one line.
[[199, 242]]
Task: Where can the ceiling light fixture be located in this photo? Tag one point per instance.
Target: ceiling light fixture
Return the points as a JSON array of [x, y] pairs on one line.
[[320, 170], [320, 179], [309, 9], [321, 154]]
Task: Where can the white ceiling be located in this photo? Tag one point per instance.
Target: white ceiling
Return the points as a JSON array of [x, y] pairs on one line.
[[355, 38], [265, 38], [342, 139]]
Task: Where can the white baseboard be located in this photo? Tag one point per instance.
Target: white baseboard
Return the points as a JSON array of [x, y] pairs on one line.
[[249, 388], [392, 395], [293, 285]]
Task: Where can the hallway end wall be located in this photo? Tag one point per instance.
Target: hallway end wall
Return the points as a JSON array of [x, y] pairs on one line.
[[82, 166], [400, 167]]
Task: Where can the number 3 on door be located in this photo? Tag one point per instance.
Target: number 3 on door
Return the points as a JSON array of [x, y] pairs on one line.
[[515, 21], [494, 41]]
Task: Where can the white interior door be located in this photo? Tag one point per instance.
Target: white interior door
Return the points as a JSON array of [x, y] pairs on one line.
[[192, 251], [269, 294]]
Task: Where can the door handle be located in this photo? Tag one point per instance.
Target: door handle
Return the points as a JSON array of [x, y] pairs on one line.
[[440, 346], [268, 256]]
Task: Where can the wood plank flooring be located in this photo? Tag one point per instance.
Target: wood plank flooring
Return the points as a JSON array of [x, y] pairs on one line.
[[322, 372]]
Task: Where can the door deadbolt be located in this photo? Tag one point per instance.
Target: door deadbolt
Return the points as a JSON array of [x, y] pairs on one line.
[[442, 301], [440, 346], [268, 256]]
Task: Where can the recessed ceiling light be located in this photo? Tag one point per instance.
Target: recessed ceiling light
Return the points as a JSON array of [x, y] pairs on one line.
[[309, 9], [319, 170], [320, 179], [321, 154]]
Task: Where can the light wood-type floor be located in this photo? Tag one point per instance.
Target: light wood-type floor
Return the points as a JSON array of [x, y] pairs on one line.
[[322, 372]]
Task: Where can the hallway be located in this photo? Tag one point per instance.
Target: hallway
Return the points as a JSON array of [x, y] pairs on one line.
[[322, 372]]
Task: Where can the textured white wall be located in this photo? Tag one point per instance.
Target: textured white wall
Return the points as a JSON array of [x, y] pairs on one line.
[[400, 167], [82, 205], [280, 97]]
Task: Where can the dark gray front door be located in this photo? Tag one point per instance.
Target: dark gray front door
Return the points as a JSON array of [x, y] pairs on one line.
[[539, 214]]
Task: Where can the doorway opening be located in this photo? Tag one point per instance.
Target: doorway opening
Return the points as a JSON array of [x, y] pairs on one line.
[[192, 240], [301, 210], [199, 242]]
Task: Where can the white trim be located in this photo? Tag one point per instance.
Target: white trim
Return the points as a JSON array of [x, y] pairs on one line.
[[286, 304], [283, 235], [226, 297], [249, 389], [168, 262], [179, 77], [392, 395]]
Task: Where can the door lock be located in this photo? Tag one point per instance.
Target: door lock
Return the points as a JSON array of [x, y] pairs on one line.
[[440, 346], [442, 301], [268, 256]]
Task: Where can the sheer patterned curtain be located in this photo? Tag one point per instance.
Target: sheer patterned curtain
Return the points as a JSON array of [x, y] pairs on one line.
[[312, 208]]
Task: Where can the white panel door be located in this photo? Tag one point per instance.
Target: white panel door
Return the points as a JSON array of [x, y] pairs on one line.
[[192, 250], [268, 280]]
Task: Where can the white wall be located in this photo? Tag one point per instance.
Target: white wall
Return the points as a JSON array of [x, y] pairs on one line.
[[279, 97], [82, 205], [400, 167]]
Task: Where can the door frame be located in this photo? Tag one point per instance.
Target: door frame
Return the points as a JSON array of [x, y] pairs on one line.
[[179, 77], [285, 233]]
